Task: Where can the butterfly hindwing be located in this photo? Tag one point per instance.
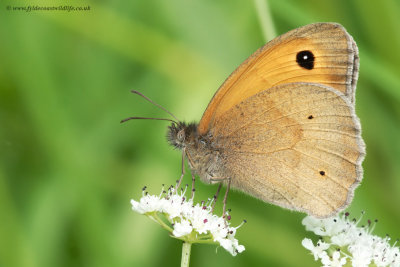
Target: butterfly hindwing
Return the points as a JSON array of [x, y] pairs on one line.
[[297, 145]]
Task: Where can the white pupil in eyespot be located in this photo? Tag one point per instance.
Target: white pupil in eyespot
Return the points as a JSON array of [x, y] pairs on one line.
[[305, 57]]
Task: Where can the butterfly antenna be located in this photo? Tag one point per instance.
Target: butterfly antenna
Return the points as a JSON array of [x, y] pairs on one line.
[[155, 104], [144, 118]]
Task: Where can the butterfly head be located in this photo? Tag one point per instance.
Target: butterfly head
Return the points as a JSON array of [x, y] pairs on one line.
[[180, 134]]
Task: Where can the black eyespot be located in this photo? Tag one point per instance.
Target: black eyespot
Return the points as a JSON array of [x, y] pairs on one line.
[[305, 59], [310, 117], [322, 173]]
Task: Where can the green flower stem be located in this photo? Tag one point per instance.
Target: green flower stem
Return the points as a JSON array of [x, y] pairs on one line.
[[186, 248], [157, 219], [194, 238], [207, 241], [265, 19]]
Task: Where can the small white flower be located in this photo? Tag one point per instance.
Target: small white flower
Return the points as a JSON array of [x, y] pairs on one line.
[[312, 224], [361, 258], [318, 250], [335, 261], [308, 244], [147, 203], [233, 246], [360, 246], [182, 228], [342, 239], [200, 219], [324, 227], [189, 222]]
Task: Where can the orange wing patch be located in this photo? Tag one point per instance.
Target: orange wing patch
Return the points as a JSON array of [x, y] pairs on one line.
[[335, 65]]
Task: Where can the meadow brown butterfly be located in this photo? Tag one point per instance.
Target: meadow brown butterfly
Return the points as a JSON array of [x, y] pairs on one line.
[[282, 127]]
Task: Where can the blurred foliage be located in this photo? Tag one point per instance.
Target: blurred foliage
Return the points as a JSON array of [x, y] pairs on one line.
[[68, 168]]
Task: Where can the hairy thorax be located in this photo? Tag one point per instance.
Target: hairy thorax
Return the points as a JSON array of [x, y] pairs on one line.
[[204, 159]]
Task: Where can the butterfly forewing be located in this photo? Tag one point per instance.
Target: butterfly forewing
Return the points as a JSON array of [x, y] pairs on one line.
[[322, 53]]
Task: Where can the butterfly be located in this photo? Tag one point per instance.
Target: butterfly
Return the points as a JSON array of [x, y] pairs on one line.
[[282, 127]]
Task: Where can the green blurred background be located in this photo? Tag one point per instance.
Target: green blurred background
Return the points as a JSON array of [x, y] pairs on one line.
[[68, 168]]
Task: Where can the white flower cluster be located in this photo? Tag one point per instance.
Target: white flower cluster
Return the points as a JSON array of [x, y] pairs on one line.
[[342, 240], [191, 223]]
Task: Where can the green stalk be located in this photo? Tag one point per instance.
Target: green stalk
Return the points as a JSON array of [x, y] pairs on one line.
[[186, 247], [265, 19]]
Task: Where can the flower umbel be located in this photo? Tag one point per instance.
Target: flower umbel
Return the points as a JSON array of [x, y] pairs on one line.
[[189, 222], [342, 240]]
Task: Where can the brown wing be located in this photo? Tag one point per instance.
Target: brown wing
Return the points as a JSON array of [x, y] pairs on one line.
[[335, 64], [296, 145]]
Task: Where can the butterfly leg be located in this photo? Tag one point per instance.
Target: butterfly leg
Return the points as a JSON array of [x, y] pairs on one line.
[[216, 179], [216, 197], [225, 199], [193, 180], [190, 161], [178, 184]]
